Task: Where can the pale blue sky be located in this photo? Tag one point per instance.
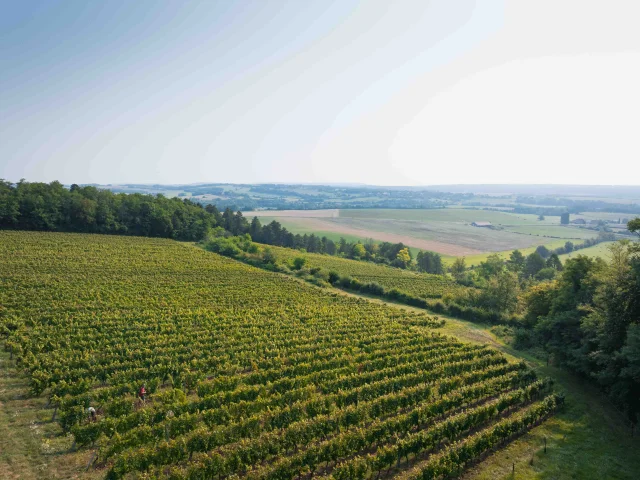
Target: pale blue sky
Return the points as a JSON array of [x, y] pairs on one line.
[[379, 92]]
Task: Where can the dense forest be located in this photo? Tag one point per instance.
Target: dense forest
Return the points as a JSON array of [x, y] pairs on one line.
[[584, 314], [589, 320], [52, 207]]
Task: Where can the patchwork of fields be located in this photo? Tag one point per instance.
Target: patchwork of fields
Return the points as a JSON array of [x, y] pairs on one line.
[[447, 231], [250, 374]]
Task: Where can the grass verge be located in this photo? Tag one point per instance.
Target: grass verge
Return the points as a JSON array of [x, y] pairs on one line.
[[32, 447]]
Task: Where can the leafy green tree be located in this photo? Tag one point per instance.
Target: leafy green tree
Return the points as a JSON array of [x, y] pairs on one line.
[[390, 251], [227, 220], [538, 300], [9, 204], [543, 251], [213, 210], [423, 262], [314, 244], [438, 268], [329, 246], [268, 257], [609, 345], [554, 262], [628, 382], [343, 246], [429, 262], [568, 247], [255, 229], [358, 251], [634, 226], [403, 258], [492, 266], [547, 273], [534, 264], [371, 247], [299, 262], [516, 261], [240, 224], [500, 293], [561, 329], [458, 268]]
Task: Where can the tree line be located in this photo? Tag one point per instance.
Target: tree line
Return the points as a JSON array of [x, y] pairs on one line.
[[585, 313], [53, 207], [87, 209], [273, 233], [588, 319]]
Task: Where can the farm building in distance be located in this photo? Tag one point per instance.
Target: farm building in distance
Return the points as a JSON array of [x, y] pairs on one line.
[[579, 221], [481, 224]]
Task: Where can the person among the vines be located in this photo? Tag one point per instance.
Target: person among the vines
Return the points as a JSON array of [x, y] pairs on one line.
[[92, 413], [143, 392]]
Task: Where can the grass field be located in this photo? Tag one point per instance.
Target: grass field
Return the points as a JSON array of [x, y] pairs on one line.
[[553, 231], [243, 367], [604, 216], [477, 259], [32, 447], [600, 250]]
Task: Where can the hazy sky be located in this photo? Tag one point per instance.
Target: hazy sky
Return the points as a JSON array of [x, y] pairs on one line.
[[378, 92]]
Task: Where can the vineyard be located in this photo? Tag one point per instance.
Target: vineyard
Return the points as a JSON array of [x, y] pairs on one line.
[[421, 285], [249, 374]]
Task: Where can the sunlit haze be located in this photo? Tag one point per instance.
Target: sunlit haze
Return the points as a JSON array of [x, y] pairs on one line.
[[375, 92]]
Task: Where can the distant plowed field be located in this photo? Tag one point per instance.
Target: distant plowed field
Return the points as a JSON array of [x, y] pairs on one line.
[[369, 229], [296, 213], [446, 231]]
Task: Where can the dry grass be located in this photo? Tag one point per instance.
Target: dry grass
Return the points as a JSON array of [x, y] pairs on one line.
[[32, 447]]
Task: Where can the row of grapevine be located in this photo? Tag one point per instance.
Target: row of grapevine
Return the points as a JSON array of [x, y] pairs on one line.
[[422, 285], [246, 372]]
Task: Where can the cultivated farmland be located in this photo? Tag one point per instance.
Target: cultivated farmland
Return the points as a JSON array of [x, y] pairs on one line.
[[249, 374], [417, 284], [448, 231]]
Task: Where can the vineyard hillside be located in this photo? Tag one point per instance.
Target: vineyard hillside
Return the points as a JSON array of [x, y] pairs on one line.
[[421, 285], [247, 373]]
